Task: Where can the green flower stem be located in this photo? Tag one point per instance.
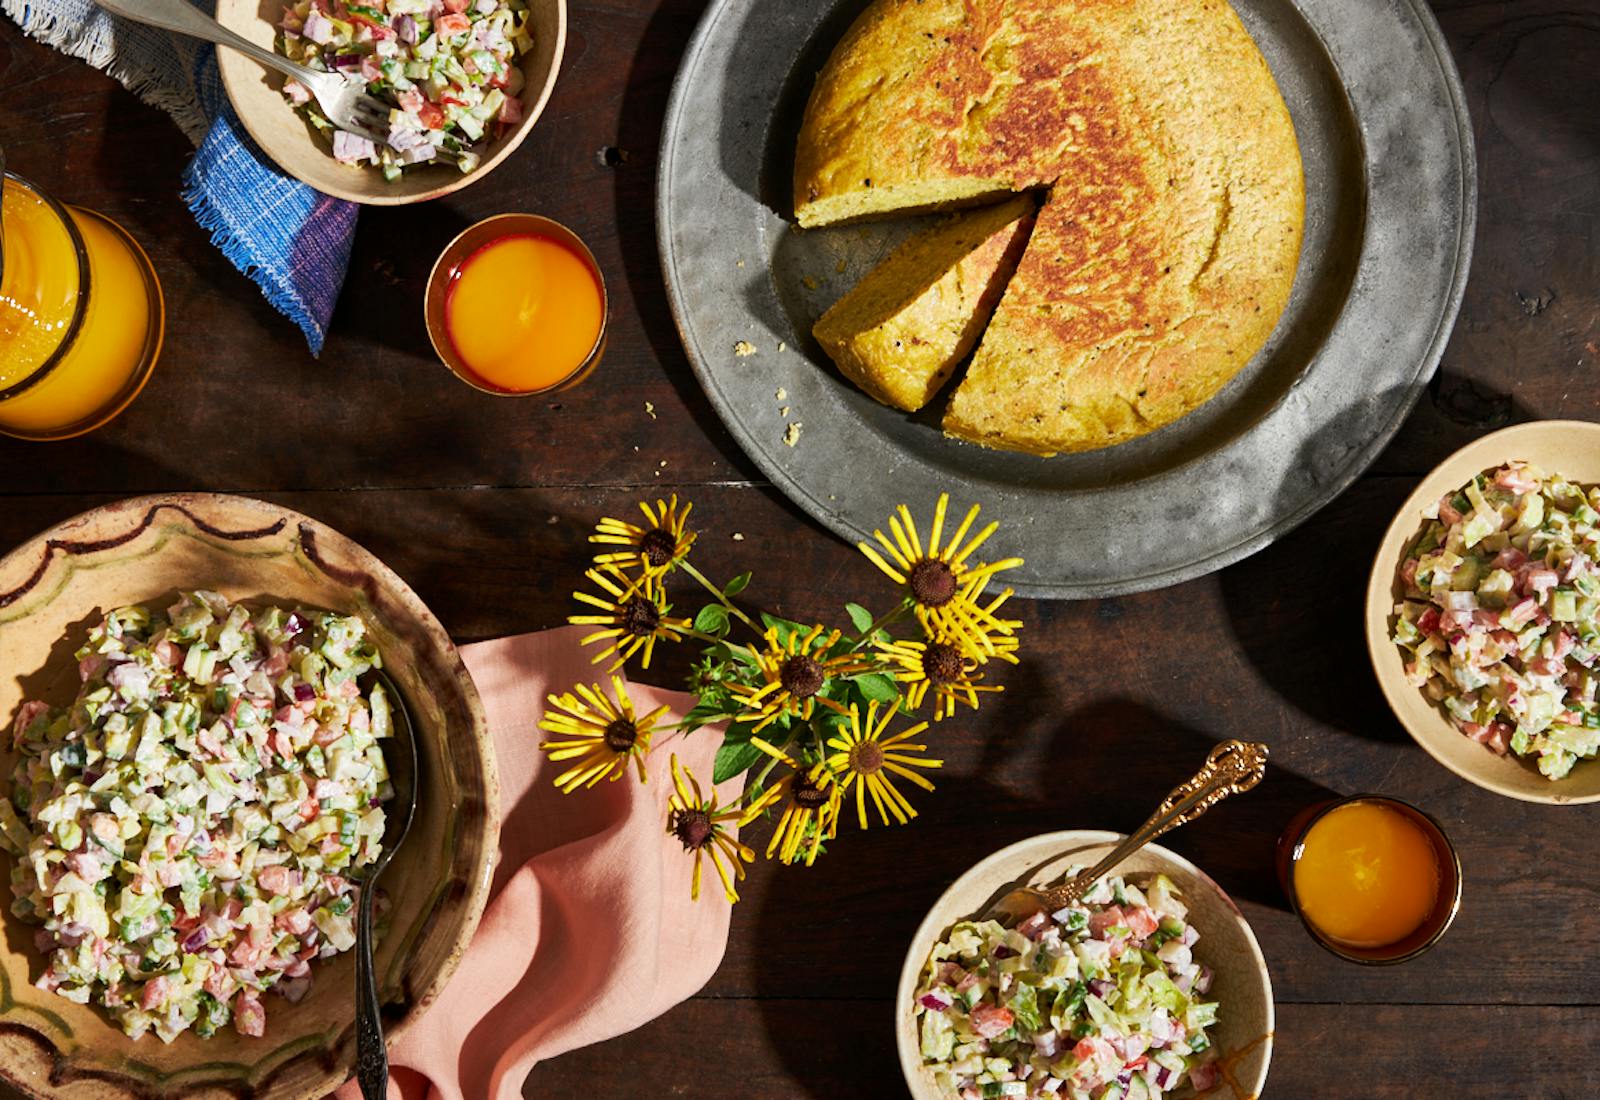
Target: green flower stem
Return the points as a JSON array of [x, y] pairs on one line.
[[712, 639], [717, 592]]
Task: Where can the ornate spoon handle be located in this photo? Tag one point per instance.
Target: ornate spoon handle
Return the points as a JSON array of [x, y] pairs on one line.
[[1231, 767]]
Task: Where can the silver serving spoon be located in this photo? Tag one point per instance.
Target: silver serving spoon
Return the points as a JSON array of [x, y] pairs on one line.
[[344, 101], [372, 1057], [1231, 767]]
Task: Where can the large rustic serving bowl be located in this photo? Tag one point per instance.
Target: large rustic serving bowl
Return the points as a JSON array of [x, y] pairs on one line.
[[1244, 1030], [1567, 447], [286, 137], [57, 585]]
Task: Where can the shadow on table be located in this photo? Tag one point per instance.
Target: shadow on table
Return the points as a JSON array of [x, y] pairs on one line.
[[1297, 607], [838, 932], [634, 163]]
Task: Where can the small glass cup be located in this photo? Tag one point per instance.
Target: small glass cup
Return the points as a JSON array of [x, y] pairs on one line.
[[448, 266], [71, 376], [1291, 845]]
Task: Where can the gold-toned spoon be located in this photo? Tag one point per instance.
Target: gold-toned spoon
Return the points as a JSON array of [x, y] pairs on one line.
[[1231, 767]]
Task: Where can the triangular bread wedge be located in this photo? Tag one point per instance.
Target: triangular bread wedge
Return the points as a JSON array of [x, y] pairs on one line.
[[901, 332]]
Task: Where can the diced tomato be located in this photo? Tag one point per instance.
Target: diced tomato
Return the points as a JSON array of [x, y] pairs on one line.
[[249, 1015], [511, 110], [1141, 921], [155, 992], [432, 115], [448, 26], [991, 1020], [277, 880], [1109, 917]]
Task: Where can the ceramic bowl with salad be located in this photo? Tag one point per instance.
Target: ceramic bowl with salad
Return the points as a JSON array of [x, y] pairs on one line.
[[193, 774], [1483, 612], [464, 81], [1151, 986]]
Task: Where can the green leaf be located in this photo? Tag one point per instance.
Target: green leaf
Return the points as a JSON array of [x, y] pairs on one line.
[[735, 757], [878, 687], [860, 616], [785, 628], [737, 585], [713, 619]]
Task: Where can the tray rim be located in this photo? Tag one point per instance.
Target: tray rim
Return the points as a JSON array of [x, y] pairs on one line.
[[1329, 489]]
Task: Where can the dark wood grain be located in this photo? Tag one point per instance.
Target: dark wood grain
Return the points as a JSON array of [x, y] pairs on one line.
[[482, 505]]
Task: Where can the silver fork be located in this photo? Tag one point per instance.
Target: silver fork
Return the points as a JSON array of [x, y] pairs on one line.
[[346, 102]]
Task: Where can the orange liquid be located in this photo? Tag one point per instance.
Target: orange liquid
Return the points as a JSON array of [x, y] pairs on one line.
[[524, 313], [40, 291], [1368, 876]]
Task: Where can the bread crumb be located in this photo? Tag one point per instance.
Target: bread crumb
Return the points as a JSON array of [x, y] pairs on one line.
[[650, 408], [663, 463], [810, 283], [737, 537], [783, 345], [792, 435], [553, 520], [784, 411], [739, 264], [782, 394], [744, 348]]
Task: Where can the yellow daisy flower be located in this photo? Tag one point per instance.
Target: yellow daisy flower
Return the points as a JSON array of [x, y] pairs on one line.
[[701, 826], [939, 665], [940, 581], [811, 810], [633, 616], [602, 733], [864, 758], [656, 547], [794, 672]]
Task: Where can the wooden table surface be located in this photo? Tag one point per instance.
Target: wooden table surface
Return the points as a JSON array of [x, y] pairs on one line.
[[483, 505]]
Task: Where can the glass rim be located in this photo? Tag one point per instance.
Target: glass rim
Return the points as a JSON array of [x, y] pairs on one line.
[[1296, 842], [80, 308], [467, 244]]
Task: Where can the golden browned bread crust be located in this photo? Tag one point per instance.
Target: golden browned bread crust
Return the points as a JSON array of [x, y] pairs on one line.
[[1166, 251], [902, 330]]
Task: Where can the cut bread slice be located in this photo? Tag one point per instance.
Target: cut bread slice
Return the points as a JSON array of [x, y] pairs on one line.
[[901, 332]]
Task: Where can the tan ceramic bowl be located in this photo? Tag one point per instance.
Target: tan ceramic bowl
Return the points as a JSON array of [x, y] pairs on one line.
[[51, 590], [307, 155], [1244, 1029], [1568, 447]]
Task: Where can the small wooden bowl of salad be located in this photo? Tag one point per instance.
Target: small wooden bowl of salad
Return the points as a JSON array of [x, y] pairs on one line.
[[1153, 982], [466, 79], [1483, 612]]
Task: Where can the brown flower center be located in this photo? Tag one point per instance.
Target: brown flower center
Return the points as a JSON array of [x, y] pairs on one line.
[[808, 794], [640, 617], [942, 663], [658, 546], [933, 582], [801, 676], [621, 735], [866, 757], [693, 828]]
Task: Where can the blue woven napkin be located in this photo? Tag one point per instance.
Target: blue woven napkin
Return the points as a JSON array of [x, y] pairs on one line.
[[291, 239]]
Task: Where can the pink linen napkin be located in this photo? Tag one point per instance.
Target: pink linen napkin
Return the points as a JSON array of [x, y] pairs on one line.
[[589, 931]]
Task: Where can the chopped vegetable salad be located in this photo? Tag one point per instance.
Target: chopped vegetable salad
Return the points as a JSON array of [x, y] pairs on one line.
[[1500, 623], [186, 829], [448, 68], [1102, 1000]]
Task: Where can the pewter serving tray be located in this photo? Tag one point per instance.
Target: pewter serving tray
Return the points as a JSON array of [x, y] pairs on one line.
[[1391, 192]]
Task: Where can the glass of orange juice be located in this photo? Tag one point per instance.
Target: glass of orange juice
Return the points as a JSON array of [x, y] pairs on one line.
[[1373, 879], [516, 306], [81, 316]]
